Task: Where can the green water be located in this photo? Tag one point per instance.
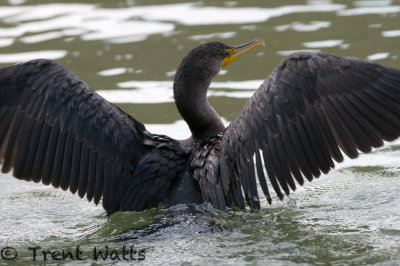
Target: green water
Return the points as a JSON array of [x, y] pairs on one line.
[[129, 50]]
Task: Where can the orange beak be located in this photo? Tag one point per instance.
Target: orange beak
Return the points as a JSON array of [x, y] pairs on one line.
[[236, 51]]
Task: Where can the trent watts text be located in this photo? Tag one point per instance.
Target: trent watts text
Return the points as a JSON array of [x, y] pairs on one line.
[[37, 253]]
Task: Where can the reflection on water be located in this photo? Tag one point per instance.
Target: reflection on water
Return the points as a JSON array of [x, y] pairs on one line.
[[323, 44], [391, 33], [161, 91], [126, 25], [129, 51], [26, 56], [370, 10], [310, 26], [378, 56]]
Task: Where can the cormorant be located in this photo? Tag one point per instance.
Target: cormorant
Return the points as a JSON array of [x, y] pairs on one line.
[[313, 106]]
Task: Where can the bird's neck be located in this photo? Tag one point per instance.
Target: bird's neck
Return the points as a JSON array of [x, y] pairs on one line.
[[191, 100]]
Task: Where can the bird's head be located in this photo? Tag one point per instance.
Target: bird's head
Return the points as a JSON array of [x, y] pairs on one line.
[[202, 63]]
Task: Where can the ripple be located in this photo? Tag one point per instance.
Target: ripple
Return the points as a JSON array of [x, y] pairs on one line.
[[192, 14], [127, 31], [289, 52], [75, 218], [41, 12], [220, 35], [238, 85], [113, 71], [26, 56], [299, 26], [4, 42], [42, 37], [378, 56], [385, 158], [374, 3], [89, 22], [369, 11], [391, 33], [161, 91], [117, 25], [323, 44], [178, 130]]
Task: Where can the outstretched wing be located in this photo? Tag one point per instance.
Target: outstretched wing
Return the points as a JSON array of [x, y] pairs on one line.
[[55, 129], [312, 107]]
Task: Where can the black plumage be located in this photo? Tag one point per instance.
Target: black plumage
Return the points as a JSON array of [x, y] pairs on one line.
[[310, 109]]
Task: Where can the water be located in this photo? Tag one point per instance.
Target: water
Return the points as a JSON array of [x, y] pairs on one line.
[[129, 52]]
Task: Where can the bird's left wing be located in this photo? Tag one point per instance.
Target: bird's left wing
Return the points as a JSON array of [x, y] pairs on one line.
[[55, 129], [312, 107]]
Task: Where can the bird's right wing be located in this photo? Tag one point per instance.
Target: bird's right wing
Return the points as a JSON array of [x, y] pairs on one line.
[[312, 107], [55, 129]]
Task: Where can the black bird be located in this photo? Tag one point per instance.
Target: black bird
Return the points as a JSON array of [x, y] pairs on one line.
[[310, 109]]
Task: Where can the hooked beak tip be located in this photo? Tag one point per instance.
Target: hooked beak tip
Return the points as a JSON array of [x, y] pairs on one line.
[[236, 51]]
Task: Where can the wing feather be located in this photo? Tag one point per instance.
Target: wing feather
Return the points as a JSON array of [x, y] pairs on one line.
[[67, 161], [38, 164], [83, 172], [76, 159], [58, 160]]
